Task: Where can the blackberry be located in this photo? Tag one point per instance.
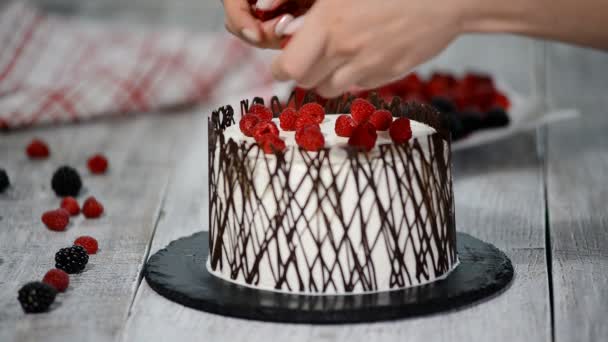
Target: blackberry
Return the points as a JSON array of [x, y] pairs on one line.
[[4, 182], [454, 123], [471, 121], [66, 182], [442, 104], [36, 297], [71, 259], [496, 118]]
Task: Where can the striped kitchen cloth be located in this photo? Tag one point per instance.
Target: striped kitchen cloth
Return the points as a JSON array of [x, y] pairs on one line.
[[55, 69]]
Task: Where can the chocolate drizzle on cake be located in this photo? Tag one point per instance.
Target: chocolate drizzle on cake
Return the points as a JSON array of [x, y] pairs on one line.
[[245, 232]]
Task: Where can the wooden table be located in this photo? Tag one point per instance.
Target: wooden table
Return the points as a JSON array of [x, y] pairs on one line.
[[539, 196]]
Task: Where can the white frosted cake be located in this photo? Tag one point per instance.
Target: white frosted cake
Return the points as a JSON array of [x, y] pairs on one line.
[[336, 221]]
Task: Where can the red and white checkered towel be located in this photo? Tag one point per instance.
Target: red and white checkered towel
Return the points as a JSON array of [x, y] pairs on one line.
[[55, 69]]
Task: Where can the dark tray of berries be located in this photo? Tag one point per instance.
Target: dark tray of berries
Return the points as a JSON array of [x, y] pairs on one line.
[[478, 109]]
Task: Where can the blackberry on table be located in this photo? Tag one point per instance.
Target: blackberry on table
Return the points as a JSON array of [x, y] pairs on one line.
[[36, 297], [66, 182], [71, 259], [4, 182]]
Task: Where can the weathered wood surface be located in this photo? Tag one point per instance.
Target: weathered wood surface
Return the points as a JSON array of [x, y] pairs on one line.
[[96, 305], [577, 166]]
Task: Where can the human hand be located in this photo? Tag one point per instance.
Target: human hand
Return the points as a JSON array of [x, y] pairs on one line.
[[267, 27], [345, 44]]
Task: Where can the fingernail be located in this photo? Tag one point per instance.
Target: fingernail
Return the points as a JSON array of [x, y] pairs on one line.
[[279, 29], [264, 4], [294, 25], [251, 35]]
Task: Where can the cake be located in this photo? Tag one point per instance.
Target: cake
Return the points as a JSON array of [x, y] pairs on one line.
[[335, 221]]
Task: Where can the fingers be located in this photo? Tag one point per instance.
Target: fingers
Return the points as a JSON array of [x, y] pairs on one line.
[[303, 51], [267, 5], [273, 30], [342, 80], [240, 22]]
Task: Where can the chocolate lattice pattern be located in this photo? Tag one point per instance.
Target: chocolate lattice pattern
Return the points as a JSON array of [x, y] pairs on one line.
[[329, 223]]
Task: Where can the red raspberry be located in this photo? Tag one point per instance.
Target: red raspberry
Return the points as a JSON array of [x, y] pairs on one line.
[[361, 110], [288, 119], [400, 130], [271, 143], [92, 208], [87, 242], [501, 101], [37, 149], [265, 114], [381, 119], [364, 137], [70, 204], [57, 278], [263, 128], [56, 219], [97, 164], [305, 120], [247, 123], [314, 110], [310, 138], [345, 125]]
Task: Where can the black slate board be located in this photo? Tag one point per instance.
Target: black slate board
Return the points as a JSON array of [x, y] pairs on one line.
[[178, 273]]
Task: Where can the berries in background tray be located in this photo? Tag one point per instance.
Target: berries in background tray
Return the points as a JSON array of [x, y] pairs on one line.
[[36, 297]]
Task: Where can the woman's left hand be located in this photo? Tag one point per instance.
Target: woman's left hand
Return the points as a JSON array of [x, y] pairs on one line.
[[346, 44]]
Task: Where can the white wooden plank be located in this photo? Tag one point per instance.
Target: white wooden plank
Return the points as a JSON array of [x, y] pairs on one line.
[[577, 195], [499, 198]]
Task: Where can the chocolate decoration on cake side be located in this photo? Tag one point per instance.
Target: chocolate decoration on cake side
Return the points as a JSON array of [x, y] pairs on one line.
[[331, 222]]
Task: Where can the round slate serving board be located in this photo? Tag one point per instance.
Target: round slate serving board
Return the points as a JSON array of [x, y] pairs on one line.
[[178, 273]]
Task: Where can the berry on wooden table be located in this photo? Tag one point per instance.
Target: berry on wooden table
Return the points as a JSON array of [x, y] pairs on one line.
[[364, 137], [4, 181], [72, 259], [36, 297], [401, 130], [66, 182], [361, 110], [287, 119], [56, 220], [37, 149], [57, 278], [70, 204], [97, 164], [381, 119], [91, 208], [345, 125], [88, 243]]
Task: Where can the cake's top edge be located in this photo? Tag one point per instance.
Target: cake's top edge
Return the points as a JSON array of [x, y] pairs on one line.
[[419, 130], [224, 116]]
